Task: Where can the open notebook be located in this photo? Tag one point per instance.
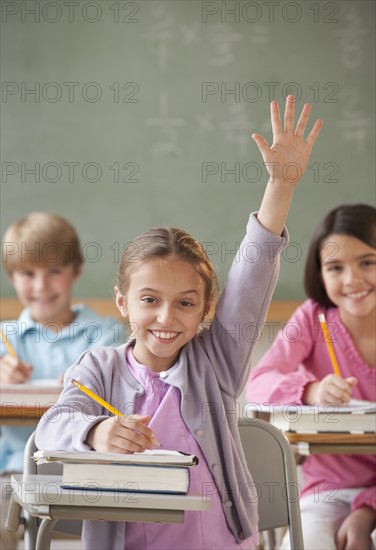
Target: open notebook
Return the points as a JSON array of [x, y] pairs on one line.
[[356, 417]]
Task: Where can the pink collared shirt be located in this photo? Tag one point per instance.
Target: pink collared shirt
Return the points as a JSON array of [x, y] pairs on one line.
[[200, 530], [298, 356]]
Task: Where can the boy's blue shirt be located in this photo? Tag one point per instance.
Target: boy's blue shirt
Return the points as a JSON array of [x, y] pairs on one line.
[[50, 353]]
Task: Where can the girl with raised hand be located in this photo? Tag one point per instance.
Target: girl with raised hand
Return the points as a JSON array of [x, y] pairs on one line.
[[175, 383]]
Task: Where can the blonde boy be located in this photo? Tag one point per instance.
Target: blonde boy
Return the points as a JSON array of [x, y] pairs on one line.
[[43, 259]]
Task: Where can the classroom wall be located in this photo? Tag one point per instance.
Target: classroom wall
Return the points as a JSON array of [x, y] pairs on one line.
[[125, 115]]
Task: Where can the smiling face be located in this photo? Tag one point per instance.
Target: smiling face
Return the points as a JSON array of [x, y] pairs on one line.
[[46, 291], [348, 269], [165, 303]]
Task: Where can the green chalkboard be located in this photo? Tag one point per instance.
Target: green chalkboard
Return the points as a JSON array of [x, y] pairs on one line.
[[125, 115]]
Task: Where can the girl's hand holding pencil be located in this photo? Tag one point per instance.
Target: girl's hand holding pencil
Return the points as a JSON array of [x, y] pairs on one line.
[[330, 390], [121, 433], [333, 388]]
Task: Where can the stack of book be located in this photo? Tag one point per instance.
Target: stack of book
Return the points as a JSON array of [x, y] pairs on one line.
[[156, 471], [356, 417]]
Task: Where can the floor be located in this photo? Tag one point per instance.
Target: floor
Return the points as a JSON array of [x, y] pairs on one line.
[[60, 545]]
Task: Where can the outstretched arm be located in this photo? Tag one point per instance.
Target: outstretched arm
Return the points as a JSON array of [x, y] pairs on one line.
[[286, 161], [241, 310]]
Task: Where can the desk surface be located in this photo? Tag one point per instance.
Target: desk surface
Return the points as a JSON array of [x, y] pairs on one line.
[[21, 415], [26, 403], [42, 495], [332, 443], [324, 442]]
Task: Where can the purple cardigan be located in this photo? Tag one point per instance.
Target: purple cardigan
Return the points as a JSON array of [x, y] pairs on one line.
[[210, 373]]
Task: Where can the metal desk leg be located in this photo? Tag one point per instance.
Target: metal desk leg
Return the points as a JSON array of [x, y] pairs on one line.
[[31, 530], [44, 534], [14, 519]]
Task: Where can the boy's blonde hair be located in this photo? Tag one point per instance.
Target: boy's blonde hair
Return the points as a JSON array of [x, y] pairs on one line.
[[43, 239]]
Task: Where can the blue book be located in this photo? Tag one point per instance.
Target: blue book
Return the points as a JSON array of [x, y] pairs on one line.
[[157, 471]]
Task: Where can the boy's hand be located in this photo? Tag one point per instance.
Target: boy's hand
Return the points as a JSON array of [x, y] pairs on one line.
[[355, 531], [331, 389], [122, 434], [287, 158], [14, 371]]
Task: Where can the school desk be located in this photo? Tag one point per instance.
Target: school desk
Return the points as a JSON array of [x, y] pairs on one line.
[[24, 404], [13, 414], [332, 443], [305, 444], [41, 496]]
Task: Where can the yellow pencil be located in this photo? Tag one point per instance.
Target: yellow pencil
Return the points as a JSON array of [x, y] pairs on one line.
[[96, 398], [103, 403], [328, 341], [8, 344]]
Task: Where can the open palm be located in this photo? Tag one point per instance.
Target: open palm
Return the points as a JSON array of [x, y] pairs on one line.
[[287, 158]]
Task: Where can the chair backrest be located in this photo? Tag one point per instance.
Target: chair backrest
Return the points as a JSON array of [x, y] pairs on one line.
[[72, 527], [30, 467], [271, 462]]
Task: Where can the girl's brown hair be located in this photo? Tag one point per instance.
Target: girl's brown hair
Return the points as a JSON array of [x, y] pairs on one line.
[[162, 243], [355, 220]]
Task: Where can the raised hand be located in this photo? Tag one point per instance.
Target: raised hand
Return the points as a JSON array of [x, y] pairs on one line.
[[286, 161], [287, 158]]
